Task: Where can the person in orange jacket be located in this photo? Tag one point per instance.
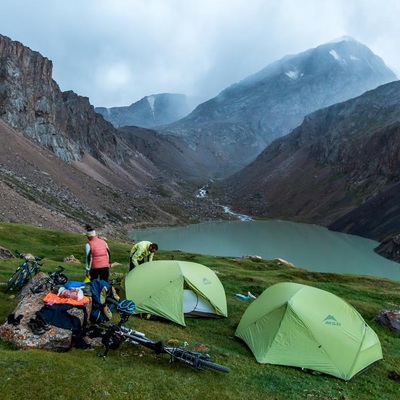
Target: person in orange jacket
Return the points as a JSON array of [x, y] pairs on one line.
[[98, 257]]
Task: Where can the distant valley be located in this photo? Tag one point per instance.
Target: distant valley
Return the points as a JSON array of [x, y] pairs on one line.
[[312, 137]]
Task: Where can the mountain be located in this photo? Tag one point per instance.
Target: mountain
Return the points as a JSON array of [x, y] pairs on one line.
[[166, 151], [340, 168], [62, 164], [151, 111], [232, 129], [60, 160]]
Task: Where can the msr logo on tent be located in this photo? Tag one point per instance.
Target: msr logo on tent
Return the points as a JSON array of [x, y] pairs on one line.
[[331, 320], [206, 281]]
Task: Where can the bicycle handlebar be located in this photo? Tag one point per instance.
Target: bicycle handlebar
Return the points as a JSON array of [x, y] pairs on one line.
[[37, 258], [61, 269]]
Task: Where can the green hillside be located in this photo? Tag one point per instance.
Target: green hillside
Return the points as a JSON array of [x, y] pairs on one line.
[[133, 372]]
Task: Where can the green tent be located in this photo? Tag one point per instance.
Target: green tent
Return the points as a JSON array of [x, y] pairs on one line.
[[175, 289], [301, 326]]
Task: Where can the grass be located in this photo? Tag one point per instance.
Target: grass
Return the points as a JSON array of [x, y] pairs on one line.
[[136, 373]]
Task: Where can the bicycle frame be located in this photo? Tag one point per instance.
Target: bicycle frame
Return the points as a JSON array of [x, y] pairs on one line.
[[200, 361], [55, 278], [24, 272]]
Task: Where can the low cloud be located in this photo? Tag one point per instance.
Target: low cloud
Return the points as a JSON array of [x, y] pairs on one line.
[[116, 52]]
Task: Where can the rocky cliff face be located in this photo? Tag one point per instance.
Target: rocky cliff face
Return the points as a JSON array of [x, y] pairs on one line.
[[32, 102], [62, 164], [340, 158], [242, 120]]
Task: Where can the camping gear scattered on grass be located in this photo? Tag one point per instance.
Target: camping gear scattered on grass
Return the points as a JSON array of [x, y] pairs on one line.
[[247, 296], [176, 289], [302, 326]]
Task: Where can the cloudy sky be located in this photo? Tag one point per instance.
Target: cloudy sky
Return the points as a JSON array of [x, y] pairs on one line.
[[117, 51]]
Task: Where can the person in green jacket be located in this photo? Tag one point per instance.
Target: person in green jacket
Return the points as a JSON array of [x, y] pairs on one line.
[[141, 252]]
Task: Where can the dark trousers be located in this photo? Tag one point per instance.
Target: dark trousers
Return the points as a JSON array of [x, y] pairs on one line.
[[100, 273], [131, 265]]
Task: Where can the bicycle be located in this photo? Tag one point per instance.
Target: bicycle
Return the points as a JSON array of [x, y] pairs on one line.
[[117, 333], [54, 279], [24, 272]]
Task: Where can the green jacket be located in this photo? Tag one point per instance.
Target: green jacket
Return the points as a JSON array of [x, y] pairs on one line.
[[140, 251]]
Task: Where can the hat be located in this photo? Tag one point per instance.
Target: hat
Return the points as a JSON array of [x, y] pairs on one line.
[[90, 233]]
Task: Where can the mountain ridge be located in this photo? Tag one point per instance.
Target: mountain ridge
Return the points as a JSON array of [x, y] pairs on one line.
[[339, 158], [237, 125], [150, 111], [320, 172]]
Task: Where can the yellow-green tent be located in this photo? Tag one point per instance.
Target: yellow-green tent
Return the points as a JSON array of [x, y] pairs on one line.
[[301, 326], [174, 289]]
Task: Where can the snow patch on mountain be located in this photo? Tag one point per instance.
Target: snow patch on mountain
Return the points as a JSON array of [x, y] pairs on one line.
[[336, 56], [293, 74], [151, 100]]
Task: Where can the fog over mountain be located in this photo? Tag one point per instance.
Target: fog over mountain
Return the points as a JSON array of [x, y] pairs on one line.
[[231, 130], [151, 111]]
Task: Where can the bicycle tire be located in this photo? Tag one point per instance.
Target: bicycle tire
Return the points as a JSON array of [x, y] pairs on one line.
[[25, 278], [12, 282], [217, 367], [196, 361]]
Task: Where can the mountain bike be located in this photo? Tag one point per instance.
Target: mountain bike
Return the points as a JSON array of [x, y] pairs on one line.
[[55, 278], [24, 272], [117, 333]]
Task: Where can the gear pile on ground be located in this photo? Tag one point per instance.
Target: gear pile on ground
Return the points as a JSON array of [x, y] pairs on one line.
[[28, 328]]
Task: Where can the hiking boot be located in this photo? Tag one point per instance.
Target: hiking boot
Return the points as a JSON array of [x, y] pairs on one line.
[[35, 328], [11, 318], [17, 320], [42, 322]]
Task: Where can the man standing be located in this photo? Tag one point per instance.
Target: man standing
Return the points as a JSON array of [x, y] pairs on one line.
[[141, 252], [97, 256]]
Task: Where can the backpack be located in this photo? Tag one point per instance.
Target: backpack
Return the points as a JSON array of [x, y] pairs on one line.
[[100, 311]]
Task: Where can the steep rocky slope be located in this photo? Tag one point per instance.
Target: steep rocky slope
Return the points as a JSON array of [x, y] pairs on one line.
[[40, 189], [340, 158], [233, 128], [59, 159]]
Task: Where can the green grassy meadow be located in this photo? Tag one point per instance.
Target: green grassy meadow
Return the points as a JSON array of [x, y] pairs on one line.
[[132, 372]]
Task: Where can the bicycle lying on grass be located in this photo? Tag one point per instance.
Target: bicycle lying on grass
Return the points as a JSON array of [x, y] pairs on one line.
[[24, 272], [117, 333], [55, 278]]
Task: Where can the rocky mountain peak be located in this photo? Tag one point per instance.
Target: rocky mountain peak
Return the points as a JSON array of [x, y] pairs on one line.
[[32, 103], [340, 168], [150, 111], [243, 119]]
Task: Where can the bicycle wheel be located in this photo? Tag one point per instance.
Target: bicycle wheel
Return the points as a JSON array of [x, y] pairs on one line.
[[197, 360], [217, 367], [14, 280]]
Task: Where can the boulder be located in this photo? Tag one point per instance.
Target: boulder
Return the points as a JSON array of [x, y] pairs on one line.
[[390, 248], [389, 319], [71, 259], [5, 253], [55, 339]]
